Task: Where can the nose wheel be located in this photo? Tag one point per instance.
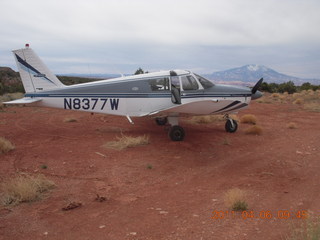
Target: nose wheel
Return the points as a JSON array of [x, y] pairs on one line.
[[231, 125], [176, 133]]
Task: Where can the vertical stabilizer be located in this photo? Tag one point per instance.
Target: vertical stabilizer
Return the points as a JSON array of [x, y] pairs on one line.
[[34, 73]]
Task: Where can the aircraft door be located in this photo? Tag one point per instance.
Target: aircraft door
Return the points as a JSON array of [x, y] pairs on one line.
[[175, 90]]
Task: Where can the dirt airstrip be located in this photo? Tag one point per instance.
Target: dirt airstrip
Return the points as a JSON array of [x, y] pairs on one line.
[[164, 190]]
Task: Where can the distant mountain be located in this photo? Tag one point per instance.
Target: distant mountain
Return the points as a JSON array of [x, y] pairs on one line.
[[249, 74]]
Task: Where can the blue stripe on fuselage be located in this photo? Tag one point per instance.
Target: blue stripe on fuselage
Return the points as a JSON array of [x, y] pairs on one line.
[[129, 95]]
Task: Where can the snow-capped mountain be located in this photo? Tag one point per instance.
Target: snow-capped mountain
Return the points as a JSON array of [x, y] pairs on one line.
[[253, 72]]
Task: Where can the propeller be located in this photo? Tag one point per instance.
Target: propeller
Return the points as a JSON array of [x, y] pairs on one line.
[[255, 88]]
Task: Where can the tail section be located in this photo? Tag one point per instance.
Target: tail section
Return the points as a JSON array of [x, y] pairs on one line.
[[34, 73]]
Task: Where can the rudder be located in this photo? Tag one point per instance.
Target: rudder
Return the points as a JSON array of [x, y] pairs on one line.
[[35, 75]]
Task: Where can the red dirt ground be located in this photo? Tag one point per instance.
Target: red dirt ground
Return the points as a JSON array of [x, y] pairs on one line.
[[175, 199]]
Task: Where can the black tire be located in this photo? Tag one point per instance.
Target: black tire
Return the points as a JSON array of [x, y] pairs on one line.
[[176, 133], [161, 121], [229, 127]]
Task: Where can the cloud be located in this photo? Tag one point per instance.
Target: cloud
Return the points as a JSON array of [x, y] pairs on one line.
[[178, 32], [232, 22]]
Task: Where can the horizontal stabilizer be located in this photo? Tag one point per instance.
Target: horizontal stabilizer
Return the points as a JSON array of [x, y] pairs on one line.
[[25, 100]]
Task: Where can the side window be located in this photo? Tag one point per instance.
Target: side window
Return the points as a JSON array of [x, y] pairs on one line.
[[189, 83], [159, 84]]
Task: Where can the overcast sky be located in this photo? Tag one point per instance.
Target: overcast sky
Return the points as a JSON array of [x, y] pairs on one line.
[[118, 36]]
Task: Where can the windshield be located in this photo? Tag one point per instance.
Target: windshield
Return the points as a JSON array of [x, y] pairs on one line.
[[204, 82]]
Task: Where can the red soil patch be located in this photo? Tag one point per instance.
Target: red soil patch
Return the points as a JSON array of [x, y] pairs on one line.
[[176, 197]]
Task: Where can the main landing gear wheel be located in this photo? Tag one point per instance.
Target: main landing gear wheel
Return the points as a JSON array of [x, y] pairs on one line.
[[161, 121], [176, 133], [231, 125]]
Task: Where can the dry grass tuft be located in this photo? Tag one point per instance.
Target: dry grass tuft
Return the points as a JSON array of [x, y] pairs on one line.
[[304, 92], [5, 145], [310, 92], [275, 95], [69, 120], [205, 119], [235, 199], [24, 188], [254, 130], [265, 99], [292, 125], [296, 95], [128, 142], [248, 118], [298, 101], [312, 106]]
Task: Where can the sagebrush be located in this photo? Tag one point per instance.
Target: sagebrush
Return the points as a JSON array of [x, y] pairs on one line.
[[236, 199], [248, 118], [254, 130], [24, 188], [128, 142]]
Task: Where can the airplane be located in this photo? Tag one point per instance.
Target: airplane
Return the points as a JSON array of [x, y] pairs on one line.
[[164, 95]]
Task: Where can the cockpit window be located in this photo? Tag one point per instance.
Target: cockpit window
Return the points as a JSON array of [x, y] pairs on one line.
[[204, 82], [189, 83]]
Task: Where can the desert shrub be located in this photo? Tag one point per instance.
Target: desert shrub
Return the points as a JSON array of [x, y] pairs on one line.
[[248, 118], [240, 206], [312, 106], [128, 142], [205, 119], [24, 188], [296, 95], [254, 130], [283, 97], [287, 87], [304, 92], [292, 125], [275, 95], [298, 101], [310, 92], [235, 199], [305, 86], [265, 99], [5, 145]]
